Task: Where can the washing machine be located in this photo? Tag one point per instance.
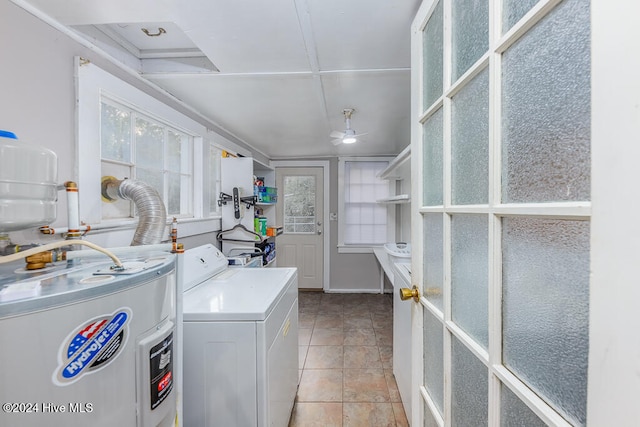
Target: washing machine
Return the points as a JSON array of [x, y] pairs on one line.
[[240, 331], [84, 345]]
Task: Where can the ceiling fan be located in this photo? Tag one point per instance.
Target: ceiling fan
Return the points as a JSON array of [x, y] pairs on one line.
[[348, 136]]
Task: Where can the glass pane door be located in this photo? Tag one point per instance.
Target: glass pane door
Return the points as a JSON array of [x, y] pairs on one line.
[[502, 141]]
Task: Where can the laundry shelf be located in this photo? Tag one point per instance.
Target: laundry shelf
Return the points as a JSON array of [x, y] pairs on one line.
[[391, 171], [400, 198]]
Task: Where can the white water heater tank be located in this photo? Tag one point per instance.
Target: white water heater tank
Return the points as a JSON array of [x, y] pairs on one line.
[[28, 184]]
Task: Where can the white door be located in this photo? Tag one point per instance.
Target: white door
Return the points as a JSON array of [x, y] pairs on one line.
[[501, 212], [300, 210]]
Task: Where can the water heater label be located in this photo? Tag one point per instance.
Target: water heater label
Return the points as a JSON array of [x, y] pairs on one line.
[[161, 370], [92, 346]]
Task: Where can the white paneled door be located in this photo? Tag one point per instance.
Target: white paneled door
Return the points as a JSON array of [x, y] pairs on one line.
[[501, 156], [300, 211]]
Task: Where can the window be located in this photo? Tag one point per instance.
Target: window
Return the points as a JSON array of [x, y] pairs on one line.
[[362, 221], [137, 146], [126, 133]]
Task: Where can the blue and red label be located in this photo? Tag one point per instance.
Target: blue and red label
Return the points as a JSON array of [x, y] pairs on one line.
[[92, 346]]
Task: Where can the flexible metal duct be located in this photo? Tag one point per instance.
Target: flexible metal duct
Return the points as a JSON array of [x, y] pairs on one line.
[[151, 211]]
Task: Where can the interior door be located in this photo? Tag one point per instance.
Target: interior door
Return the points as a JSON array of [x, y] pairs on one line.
[[300, 211], [501, 212]]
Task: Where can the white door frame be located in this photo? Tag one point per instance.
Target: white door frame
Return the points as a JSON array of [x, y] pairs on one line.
[[325, 165], [614, 385]]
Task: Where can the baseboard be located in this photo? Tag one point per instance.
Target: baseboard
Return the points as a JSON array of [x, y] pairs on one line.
[[358, 291]]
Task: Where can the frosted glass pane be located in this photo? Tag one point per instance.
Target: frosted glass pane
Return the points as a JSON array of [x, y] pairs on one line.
[[179, 194], [177, 152], [546, 109], [115, 133], [469, 275], [149, 145], [299, 206], [429, 419], [432, 58], [514, 413], [546, 309], [470, 34], [433, 359], [433, 259], [469, 388], [470, 142], [432, 173], [153, 178], [513, 10]]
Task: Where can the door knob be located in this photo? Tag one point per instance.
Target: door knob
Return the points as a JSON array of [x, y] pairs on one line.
[[406, 293]]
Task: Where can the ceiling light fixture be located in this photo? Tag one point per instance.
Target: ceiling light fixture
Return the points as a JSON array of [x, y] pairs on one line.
[[349, 136]]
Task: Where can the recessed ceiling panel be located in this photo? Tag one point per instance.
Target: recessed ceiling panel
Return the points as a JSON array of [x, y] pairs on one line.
[[247, 37], [147, 36]]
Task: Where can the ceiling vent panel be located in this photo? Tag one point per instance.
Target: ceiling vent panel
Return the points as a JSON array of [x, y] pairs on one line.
[[156, 47]]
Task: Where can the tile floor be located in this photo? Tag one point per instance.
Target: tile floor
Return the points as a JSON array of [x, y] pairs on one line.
[[346, 376]]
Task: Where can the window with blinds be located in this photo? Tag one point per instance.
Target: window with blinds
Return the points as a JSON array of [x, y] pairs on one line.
[[364, 221]]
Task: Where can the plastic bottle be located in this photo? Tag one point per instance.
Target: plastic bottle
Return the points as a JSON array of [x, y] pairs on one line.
[[28, 184]]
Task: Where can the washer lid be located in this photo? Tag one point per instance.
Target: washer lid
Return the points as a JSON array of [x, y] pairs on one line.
[[199, 264], [237, 294]]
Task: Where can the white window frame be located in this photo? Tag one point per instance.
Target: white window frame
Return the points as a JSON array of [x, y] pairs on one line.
[[92, 83], [350, 248], [186, 197]]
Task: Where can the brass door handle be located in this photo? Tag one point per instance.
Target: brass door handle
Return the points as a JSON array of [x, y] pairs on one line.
[[406, 293]]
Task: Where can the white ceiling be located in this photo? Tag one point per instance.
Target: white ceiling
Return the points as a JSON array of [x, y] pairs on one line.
[[288, 68]]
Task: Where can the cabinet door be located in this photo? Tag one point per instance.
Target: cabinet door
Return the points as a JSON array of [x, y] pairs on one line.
[[237, 173]]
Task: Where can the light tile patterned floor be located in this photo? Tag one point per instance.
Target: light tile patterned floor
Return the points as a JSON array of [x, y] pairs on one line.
[[346, 376]]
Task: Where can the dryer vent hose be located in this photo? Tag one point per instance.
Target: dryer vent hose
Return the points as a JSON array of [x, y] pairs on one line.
[[151, 211]]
